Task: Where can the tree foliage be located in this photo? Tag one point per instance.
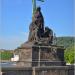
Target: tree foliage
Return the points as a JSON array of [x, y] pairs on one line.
[[6, 55], [65, 41], [69, 55], [68, 43]]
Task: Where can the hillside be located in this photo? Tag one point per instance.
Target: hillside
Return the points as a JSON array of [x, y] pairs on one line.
[[65, 41], [68, 43]]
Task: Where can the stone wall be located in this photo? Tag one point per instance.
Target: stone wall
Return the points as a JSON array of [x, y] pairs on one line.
[[25, 57], [47, 56], [53, 70]]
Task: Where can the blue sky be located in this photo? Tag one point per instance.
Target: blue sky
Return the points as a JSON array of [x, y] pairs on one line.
[[16, 16]]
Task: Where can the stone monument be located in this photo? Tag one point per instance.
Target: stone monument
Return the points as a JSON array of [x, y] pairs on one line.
[[39, 49], [39, 55]]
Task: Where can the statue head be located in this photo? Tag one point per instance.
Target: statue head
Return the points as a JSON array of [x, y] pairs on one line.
[[38, 9]]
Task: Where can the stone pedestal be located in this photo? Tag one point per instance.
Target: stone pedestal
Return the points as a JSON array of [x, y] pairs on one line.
[[51, 70], [25, 55], [47, 56], [40, 55]]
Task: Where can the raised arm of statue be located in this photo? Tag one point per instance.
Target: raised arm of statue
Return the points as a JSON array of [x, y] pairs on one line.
[[34, 5]]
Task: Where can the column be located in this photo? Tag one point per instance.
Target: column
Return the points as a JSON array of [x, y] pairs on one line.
[[39, 56]]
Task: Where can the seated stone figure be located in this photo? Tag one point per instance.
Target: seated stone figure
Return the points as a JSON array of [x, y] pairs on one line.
[[48, 33], [47, 38]]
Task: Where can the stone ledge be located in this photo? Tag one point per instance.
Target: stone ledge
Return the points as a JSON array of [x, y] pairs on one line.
[[37, 68]]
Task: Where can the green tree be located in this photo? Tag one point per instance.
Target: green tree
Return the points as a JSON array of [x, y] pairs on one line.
[[6, 55], [69, 55]]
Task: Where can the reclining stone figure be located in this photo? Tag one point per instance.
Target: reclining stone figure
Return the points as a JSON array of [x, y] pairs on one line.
[[48, 33]]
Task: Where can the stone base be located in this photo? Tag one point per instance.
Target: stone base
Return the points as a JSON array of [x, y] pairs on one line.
[[25, 54], [49, 63], [47, 56], [37, 55], [52, 70]]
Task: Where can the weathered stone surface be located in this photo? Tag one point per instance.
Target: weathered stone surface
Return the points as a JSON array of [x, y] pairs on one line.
[[43, 37], [50, 70], [47, 56], [37, 26], [25, 57], [37, 31]]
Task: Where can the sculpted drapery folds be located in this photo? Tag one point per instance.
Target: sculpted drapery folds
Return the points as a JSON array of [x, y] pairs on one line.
[[37, 30]]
